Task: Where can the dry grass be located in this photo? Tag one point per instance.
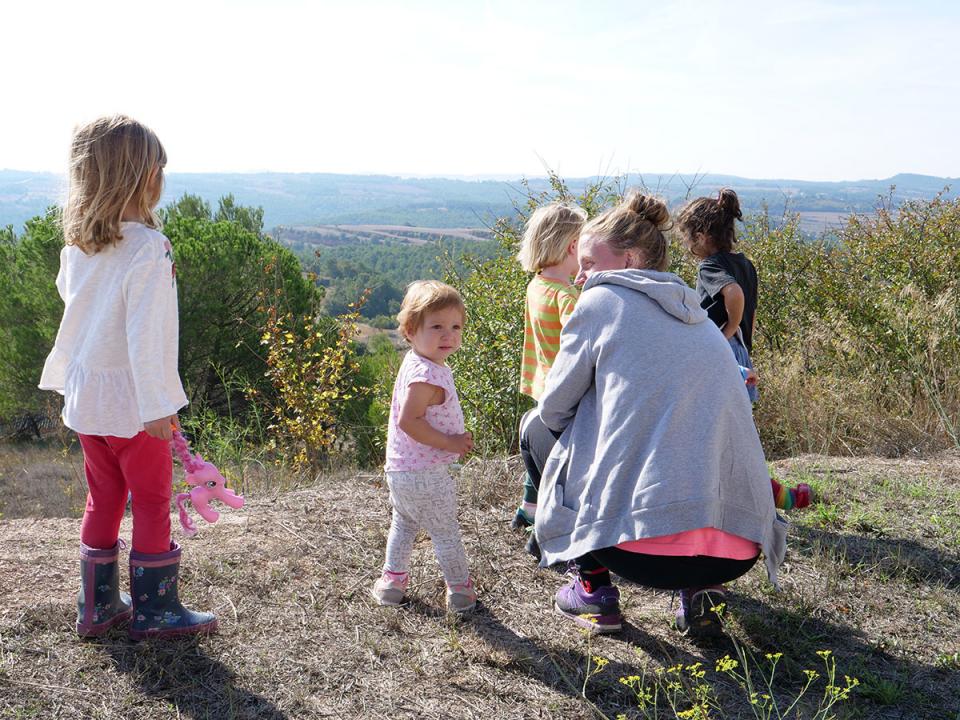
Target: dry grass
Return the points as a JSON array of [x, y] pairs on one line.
[[41, 481], [871, 574]]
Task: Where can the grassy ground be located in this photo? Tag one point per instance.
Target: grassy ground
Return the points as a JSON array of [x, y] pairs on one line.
[[871, 574]]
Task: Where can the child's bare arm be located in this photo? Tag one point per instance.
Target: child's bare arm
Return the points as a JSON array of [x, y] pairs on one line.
[[413, 420], [733, 301]]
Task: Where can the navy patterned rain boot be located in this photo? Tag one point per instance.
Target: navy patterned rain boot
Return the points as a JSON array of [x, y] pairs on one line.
[[157, 611], [100, 604]]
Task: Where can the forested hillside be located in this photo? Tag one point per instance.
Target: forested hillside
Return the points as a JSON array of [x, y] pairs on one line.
[[310, 199], [386, 269]]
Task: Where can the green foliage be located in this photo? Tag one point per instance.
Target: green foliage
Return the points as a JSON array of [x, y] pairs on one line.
[[236, 442], [230, 277], [313, 369], [487, 367], [249, 218], [366, 416], [31, 308], [858, 341], [385, 269], [346, 281]]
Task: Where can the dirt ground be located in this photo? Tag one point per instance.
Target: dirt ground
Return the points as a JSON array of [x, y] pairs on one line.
[[871, 574]]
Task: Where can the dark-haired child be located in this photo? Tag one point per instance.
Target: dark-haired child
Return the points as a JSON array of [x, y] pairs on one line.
[[726, 280]]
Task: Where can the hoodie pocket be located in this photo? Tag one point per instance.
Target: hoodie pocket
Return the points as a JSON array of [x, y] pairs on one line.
[[554, 518], [558, 520]]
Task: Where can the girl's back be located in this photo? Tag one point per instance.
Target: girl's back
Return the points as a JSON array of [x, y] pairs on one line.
[[115, 357], [715, 273], [549, 250]]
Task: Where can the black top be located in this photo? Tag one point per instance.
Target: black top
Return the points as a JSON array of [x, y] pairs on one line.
[[718, 271]]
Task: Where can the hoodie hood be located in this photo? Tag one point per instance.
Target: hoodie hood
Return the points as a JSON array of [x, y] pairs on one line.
[[673, 295]]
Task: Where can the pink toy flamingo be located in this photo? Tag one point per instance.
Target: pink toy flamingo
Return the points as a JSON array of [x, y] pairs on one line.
[[208, 484]]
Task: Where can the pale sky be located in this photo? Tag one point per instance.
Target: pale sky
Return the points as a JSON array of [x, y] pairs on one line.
[[810, 90]]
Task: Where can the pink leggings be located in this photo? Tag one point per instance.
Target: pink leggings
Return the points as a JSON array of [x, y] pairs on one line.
[[141, 465]]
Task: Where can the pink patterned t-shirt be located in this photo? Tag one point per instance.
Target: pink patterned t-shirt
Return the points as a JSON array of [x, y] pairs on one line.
[[403, 452]]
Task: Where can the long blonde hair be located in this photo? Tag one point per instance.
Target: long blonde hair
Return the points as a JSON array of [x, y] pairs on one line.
[[637, 223], [550, 230], [112, 161]]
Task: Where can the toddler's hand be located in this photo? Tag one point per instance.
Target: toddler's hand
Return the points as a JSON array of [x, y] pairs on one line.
[[752, 378], [162, 428], [460, 444]]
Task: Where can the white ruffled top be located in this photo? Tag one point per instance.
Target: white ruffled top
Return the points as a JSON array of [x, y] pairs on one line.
[[115, 357]]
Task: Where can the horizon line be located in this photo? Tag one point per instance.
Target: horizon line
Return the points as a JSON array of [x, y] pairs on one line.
[[506, 177]]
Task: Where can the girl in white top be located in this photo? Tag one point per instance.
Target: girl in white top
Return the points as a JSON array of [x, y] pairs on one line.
[[425, 435], [115, 363]]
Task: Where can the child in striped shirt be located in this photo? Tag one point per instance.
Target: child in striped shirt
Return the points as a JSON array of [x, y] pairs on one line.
[[549, 249]]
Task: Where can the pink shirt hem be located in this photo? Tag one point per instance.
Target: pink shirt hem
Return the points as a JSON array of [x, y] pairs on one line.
[[709, 542]]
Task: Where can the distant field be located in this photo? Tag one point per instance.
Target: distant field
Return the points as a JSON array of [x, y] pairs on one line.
[[333, 235], [811, 222], [819, 222]]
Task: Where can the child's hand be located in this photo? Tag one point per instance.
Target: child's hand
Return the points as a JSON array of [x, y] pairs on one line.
[[752, 378], [162, 428], [460, 444]]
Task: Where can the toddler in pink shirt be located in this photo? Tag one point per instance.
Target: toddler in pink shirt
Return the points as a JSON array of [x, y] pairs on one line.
[[424, 436]]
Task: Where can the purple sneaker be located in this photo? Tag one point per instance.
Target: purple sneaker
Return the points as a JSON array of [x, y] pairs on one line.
[[598, 611], [696, 615]]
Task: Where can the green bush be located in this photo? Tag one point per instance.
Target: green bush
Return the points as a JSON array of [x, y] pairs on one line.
[[229, 277], [857, 342], [31, 308], [487, 367]]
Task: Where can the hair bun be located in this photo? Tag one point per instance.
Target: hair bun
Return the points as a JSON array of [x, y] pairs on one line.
[[729, 203], [651, 208]]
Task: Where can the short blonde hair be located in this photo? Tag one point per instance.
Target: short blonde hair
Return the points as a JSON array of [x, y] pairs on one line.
[[426, 296], [550, 230], [111, 165], [637, 223]]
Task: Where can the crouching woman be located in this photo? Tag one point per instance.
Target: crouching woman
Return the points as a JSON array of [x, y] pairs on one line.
[[652, 466]]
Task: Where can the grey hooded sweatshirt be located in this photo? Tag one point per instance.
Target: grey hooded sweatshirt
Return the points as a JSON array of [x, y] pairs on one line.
[[657, 430]]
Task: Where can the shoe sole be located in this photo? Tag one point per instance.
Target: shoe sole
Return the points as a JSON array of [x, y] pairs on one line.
[[88, 631], [461, 611], [386, 603], [593, 623], [204, 629]]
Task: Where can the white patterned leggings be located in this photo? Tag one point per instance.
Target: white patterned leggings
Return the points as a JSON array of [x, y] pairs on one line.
[[426, 499]]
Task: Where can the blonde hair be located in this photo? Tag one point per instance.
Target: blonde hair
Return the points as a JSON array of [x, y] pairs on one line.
[[112, 160], [637, 223], [422, 297], [550, 230]]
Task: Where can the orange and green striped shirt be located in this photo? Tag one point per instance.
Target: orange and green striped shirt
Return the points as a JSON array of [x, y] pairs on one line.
[[548, 307]]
